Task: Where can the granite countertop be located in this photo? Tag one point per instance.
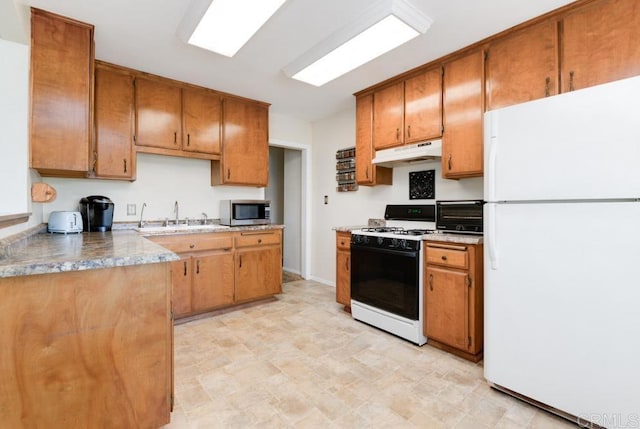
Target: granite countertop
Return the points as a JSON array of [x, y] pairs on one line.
[[347, 228], [455, 238], [52, 253], [38, 252]]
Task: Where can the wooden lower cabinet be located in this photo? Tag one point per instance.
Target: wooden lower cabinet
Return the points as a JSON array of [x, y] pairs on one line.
[[343, 269], [217, 270], [258, 264], [453, 298], [258, 272], [86, 348], [212, 285], [181, 286]]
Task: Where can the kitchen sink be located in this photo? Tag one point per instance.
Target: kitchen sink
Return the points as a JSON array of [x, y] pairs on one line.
[[180, 228]]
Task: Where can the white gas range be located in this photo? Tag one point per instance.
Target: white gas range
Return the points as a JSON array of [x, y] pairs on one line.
[[387, 288], [386, 272]]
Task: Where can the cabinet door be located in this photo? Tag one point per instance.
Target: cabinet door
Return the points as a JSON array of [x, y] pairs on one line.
[[61, 94], [158, 114], [202, 111], [463, 93], [258, 272], [181, 289], [523, 66], [366, 172], [423, 106], [343, 277], [600, 43], [114, 124], [388, 116], [212, 280], [245, 143], [447, 307]]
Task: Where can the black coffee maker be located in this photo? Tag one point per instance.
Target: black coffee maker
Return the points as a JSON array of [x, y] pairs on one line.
[[97, 213]]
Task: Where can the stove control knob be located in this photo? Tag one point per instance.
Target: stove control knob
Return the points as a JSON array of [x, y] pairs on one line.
[[365, 239], [394, 243], [404, 244], [380, 240]]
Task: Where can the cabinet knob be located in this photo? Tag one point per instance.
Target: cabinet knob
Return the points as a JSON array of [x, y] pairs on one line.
[[431, 282], [191, 246], [259, 240], [175, 137], [547, 82], [125, 165], [571, 73], [449, 162], [185, 268], [444, 257], [409, 131]]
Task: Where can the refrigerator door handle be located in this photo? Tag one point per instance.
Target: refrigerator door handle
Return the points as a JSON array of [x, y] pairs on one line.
[[491, 236], [491, 171]]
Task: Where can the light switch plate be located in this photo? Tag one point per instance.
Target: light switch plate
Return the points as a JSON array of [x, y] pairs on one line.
[[131, 209]]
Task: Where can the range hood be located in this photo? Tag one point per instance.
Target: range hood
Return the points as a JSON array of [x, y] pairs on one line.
[[409, 154]]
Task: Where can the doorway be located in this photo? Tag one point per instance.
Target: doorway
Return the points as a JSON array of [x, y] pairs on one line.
[[289, 167]]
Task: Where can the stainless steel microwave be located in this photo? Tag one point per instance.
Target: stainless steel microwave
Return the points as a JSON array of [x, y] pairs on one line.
[[245, 212]]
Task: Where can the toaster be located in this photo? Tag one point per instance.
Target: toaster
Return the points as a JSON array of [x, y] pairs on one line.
[[65, 222]]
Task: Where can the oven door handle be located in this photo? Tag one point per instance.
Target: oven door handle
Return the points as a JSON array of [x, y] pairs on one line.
[[411, 254]]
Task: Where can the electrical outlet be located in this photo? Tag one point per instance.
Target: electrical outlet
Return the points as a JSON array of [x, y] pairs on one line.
[[131, 209]]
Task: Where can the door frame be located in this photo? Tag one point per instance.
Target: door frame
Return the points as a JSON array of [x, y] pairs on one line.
[[305, 199]]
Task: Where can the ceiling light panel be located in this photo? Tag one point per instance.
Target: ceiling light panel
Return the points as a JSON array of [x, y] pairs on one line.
[[228, 24], [381, 28], [382, 37]]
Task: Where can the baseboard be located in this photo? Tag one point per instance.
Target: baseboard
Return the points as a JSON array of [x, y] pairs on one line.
[[323, 281], [292, 271]]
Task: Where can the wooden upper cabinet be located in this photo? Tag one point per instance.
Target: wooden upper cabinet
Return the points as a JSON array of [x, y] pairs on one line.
[[115, 157], [463, 96], [388, 110], [523, 66], [423, 106], [61, 95], [202, 110], [245, 144], [601, 43], [367, 173], [158, 114]]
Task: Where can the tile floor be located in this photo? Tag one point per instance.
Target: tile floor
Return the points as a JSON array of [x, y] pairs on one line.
[[301, 362]]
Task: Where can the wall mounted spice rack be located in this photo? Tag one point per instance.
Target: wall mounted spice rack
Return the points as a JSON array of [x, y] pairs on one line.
[[346, 170]]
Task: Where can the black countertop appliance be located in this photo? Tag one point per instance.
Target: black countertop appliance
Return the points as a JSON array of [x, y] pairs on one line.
[[97, 213]]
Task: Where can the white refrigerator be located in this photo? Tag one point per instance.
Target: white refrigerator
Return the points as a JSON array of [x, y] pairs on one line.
[[562, 252]]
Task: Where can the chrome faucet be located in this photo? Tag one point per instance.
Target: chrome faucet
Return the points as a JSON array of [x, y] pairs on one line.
[[204, 218], [175, 211], [142, 223]]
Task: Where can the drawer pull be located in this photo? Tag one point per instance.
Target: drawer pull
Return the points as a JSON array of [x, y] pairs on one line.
[[259, 240], [444, 257], [191, 246]]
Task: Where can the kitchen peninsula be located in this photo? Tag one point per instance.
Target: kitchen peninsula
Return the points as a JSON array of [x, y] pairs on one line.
[[87, 331]]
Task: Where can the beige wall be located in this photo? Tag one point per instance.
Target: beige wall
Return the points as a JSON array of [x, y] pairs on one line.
[[355, 208]]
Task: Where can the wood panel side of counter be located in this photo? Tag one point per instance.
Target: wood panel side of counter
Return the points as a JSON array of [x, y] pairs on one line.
[[86, 348]]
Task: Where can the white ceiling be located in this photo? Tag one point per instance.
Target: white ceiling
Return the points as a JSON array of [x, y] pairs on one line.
[[141, 34]]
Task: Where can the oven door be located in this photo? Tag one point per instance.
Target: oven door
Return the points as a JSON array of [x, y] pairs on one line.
[[386, 279]]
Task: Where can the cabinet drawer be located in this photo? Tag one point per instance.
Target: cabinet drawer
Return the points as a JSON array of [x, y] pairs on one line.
[[447, 255], [194, 242], [343, 240], [255, 238]]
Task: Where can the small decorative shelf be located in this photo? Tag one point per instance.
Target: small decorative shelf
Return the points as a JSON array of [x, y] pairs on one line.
[[346, 170]]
